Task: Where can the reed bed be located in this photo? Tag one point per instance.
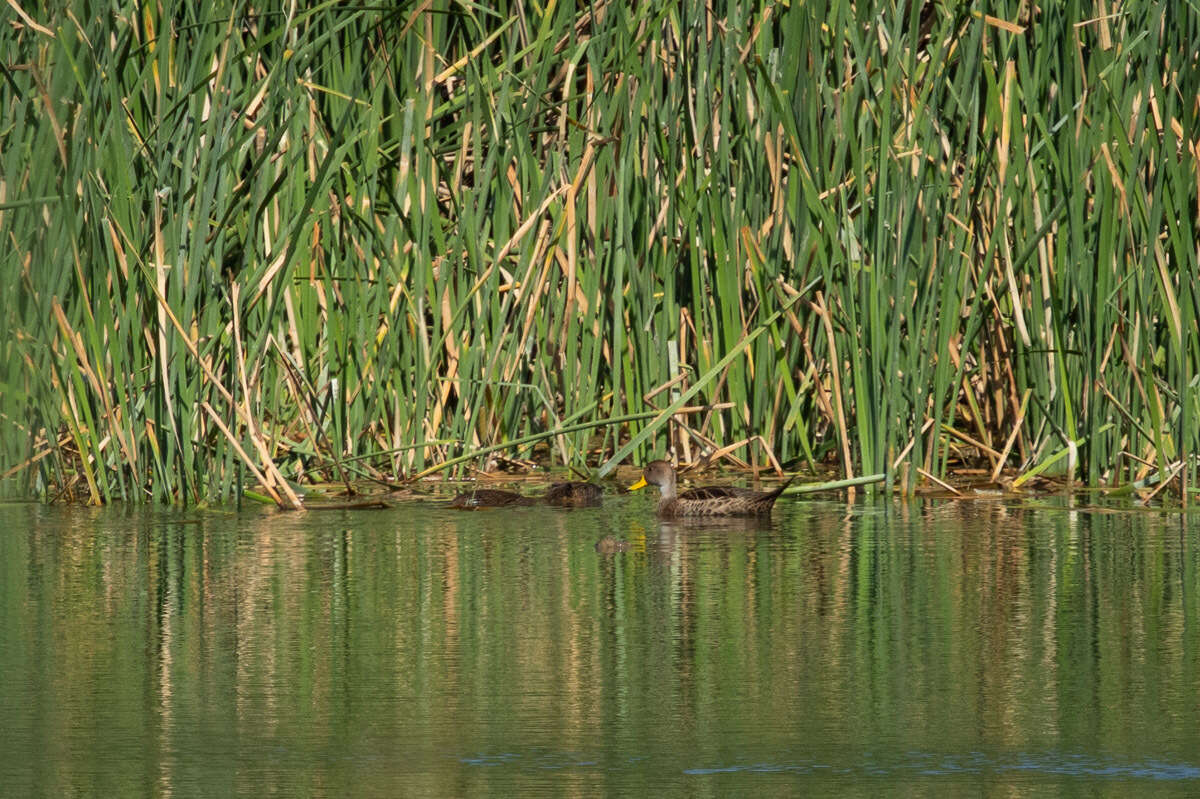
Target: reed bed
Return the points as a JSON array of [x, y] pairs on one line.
[[342, 243]]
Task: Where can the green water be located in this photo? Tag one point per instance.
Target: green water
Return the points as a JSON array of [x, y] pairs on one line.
[[953, 649]]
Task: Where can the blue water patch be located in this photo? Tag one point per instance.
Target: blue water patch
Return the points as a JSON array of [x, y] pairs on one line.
[[489, 760], [765, 768], [1081, 765], [933, 765], [537, 759]]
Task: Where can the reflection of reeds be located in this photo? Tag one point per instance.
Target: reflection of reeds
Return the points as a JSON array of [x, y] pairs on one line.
[[354, 243], [445, 632]]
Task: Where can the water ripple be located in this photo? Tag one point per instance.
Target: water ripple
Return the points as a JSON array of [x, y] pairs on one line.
[[928, 764]]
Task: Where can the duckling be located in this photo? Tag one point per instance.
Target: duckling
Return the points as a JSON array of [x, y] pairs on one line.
[[608, 545]]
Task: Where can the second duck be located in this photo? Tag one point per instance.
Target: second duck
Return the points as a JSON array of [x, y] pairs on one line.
[[705, 501]]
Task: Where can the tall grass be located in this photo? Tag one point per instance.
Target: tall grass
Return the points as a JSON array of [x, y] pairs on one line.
[[338, 242]]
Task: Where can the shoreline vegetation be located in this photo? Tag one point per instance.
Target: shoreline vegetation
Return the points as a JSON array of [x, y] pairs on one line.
[[346, 245]]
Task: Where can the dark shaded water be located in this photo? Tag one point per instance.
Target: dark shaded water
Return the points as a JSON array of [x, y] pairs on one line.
[[979, 648]]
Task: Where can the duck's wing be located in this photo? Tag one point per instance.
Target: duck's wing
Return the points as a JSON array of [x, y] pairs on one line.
[[748, 493], [712, 493]]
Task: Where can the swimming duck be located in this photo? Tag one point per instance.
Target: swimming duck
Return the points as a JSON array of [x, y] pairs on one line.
[[490, 498], [573, 495], [705, 501], [609, 545]]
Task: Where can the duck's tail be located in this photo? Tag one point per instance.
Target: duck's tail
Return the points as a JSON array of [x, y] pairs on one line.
[[779, 491]]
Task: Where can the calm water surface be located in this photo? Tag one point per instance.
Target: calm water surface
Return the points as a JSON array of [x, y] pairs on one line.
[[981, 648]]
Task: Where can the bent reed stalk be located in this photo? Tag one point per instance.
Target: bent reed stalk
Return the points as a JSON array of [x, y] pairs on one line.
[[895, 239]]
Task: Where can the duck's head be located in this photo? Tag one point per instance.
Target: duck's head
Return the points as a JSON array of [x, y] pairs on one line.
[[658, 473]]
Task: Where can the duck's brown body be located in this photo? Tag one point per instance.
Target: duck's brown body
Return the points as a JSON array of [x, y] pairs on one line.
[[490, 498], [706, 501], [573, 495]]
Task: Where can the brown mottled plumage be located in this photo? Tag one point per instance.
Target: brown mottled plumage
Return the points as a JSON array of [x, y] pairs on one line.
[[609, 545], [706, 501], [573, 495], [490, 498]]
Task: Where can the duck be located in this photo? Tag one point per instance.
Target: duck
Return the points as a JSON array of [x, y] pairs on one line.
[[573, 495], [490, 498], [705, 501], [609, 545]]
